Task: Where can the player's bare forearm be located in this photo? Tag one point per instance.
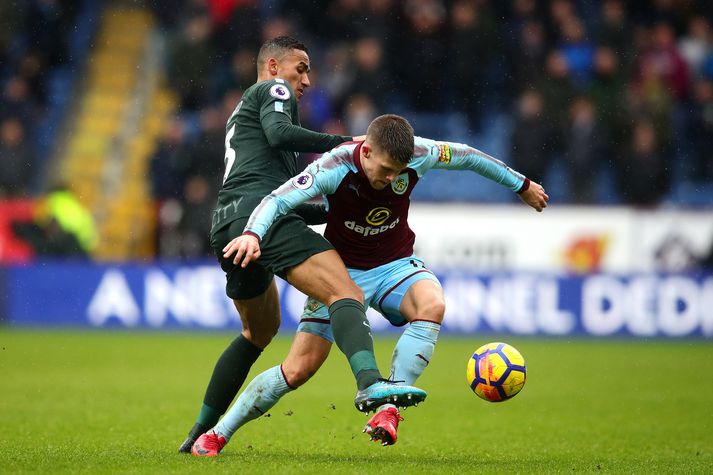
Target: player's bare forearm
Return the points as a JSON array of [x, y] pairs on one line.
[[535, 196], [246, 249]]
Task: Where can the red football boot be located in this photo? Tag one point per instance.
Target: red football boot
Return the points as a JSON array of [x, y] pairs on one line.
[[208, 445], [383, 426]]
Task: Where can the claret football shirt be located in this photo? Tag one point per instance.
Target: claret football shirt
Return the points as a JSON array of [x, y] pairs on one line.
[[369, 227]]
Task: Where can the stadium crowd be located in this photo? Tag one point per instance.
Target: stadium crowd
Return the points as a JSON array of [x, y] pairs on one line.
[[609, 102], [33, 42]]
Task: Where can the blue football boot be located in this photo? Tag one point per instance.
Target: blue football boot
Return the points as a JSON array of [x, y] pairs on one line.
[[386, 391]]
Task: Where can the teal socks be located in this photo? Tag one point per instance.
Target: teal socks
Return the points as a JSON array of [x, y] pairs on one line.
[[414, 350], [259, 396]]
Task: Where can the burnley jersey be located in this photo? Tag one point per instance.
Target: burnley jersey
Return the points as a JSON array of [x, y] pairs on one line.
[[369, 227]]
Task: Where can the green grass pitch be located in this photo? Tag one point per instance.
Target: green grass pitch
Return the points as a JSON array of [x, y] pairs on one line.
[[110, 402]]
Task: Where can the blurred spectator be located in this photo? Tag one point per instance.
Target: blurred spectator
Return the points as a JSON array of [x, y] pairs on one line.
[[343, 19], [16, 159], [560, 12], [18, 102], [532, 137], [370, 74], [227, 105], [31, 69], [48, 25], [338, 75], [172, 161], [191, 58], [650, 94], [378, 18], [607, 90], [198, 204], [316, 107], [472, 41], [423, 49], [528, 55], [207, 160], [586, 147], [184, 224], [360, 111], [236, 26], [168, 236], [696, 45], [11, 19], [557, 91], [520, 13], [238, 73], [642, 175], [62, 227], [613, 28], [63, 206], [274, 27], [577, 51], [663, 61]]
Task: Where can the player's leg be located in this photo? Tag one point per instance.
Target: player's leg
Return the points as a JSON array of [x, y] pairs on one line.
[[260, 317], [306, 356], [255, 297], [423, 307], [324, 277], [410, 294], [306, 260]]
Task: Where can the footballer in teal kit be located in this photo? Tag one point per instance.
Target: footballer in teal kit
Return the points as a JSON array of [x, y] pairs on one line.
[[366, 186]]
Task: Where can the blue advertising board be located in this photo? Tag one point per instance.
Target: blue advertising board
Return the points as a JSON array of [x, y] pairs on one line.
[[192, 296]]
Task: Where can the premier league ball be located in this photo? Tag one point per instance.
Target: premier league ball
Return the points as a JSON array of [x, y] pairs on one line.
[[496, 372]]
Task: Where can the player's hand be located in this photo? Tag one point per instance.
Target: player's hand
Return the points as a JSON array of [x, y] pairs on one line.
[[246, 249], [535, 196], [359, 138]]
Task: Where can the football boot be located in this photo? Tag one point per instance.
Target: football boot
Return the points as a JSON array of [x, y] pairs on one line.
[[384, 425]]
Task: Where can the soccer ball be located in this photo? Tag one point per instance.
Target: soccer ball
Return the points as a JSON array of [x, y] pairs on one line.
[[496, 372]]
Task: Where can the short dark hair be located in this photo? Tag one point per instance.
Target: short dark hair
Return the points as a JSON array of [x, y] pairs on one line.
[[277, 48], [392, 134]]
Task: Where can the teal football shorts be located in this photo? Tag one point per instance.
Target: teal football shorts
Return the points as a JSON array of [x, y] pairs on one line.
[[384, 288]]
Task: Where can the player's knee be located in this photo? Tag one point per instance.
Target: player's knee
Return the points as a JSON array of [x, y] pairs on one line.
[[297, 375], [260, 337], [433, 310], [348, 291], [354, 292]]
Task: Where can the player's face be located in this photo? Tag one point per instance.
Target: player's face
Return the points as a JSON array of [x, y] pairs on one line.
[[380, 169], [294, 68]]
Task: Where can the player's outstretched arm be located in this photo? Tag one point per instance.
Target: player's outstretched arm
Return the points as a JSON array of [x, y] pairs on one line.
[[246, 248], [535, 196], [454, 156]]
